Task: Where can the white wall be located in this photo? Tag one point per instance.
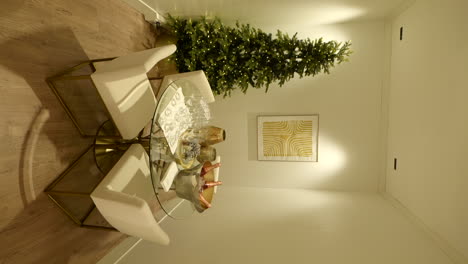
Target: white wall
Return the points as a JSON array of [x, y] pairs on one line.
[[348, 102], [255, 225], [287, 15], [428, 130]]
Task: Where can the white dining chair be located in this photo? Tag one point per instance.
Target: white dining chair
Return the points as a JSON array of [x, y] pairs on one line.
[[126, 91], [198, 78], [124, 196]]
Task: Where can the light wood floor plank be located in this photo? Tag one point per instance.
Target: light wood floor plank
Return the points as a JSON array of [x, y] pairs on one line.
[[38, 39]]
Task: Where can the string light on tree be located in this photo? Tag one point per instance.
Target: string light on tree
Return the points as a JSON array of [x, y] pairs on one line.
[[240, 57]]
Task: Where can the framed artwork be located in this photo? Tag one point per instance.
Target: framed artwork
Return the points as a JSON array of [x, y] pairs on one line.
[[288, 138]]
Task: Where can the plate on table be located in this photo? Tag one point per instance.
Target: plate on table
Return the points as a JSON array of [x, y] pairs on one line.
[[185, 163]]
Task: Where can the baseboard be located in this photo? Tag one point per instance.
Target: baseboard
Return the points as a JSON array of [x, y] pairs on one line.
[[456, 256], [119, 251], [150, 13], [385, 104]]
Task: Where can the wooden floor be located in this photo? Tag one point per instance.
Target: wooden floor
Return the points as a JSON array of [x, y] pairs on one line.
[[38, 141]]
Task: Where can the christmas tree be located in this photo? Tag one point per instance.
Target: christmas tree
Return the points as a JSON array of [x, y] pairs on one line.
[[242, 56]]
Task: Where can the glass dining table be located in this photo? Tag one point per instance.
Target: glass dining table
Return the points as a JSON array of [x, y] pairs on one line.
[[181, 110]]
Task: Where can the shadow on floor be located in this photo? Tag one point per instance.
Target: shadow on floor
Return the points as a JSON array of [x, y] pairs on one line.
[[43, 234], [34, 58]]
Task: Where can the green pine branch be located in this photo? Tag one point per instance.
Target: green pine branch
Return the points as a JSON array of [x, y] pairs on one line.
[[241, 57]]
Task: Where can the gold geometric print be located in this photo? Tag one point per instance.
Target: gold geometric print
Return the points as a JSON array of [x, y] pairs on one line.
[[287, 138]]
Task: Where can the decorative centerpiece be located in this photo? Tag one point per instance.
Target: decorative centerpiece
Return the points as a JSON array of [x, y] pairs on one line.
[[196, 181], [196, 144], [197, 185], [182, 137]]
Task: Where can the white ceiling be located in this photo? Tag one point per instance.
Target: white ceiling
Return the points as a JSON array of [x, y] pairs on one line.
[[272, 13]]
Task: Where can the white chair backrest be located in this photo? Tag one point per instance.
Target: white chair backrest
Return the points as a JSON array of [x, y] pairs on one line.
[[198, 78], [124, 195], [126, 91], [145, 59]]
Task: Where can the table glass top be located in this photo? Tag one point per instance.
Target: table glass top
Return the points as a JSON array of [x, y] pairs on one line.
[[180, 111]]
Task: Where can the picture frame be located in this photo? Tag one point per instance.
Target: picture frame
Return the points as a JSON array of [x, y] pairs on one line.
[[288, 138]]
